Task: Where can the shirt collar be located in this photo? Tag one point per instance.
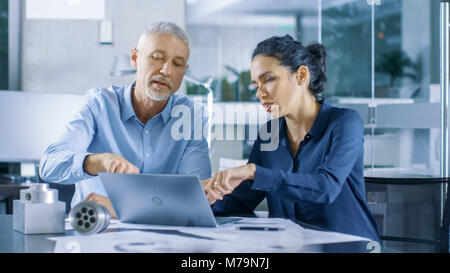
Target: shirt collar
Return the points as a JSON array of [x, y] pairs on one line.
[[319, 125], [321, 121], [166, 112], [128, 110]]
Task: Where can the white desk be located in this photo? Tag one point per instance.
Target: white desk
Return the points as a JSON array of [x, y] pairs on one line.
[[226, 238]]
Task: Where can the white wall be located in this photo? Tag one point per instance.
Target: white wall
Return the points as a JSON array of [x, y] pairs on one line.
[[30, 122], [64, 56]]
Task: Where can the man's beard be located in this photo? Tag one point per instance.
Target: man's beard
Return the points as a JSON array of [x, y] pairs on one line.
[[155, 94]]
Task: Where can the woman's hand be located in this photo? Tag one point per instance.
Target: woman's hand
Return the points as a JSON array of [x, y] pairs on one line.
[[211, 193], [224, 182]]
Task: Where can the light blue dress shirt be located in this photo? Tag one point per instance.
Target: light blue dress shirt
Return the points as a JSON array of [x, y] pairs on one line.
[[107, 123]]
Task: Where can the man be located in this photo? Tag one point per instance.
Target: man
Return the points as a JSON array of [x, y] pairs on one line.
[[129, 129]]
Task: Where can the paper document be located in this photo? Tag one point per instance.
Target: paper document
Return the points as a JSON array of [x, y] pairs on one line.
[[285, 236]]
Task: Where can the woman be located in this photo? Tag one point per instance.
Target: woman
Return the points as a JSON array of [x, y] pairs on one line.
[[315, 175]]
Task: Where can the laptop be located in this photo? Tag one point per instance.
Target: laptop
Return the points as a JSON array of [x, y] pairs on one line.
[[160, 199]]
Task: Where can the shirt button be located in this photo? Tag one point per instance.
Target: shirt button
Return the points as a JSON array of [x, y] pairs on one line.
[[146, 131], [147, 155]]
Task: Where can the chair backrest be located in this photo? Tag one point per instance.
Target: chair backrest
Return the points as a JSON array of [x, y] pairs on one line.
[[65, 193], [410, 213]]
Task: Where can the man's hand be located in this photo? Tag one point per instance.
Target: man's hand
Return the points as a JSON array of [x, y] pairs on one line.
[[102, 200], [107, 162], [224, 182]]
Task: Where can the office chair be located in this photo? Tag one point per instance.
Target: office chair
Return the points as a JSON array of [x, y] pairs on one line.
[[65, 191], [409, 212]]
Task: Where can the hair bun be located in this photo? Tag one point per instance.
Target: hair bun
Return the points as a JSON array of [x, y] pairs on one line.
[[288, 37], [320, 53]]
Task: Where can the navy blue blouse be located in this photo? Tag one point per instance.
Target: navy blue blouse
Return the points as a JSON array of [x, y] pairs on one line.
[[323, 185]]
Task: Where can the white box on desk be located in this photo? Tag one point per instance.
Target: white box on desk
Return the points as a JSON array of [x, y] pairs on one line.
[[38, 218]]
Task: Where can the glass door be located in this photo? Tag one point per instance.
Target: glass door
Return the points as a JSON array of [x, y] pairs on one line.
[[384, 62]]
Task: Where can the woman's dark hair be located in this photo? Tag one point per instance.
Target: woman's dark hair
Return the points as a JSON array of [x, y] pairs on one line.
[[293, 54]]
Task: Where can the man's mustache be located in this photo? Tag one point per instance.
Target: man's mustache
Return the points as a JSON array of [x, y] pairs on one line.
[[163, 79]]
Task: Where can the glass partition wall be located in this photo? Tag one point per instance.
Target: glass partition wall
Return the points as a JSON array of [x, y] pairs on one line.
[[383, 61], [4, 45], [406, 80]]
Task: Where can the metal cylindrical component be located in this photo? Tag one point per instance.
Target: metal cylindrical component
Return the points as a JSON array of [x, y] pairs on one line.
[[444, 75], [445, 100], [39, 193], [89, 218]]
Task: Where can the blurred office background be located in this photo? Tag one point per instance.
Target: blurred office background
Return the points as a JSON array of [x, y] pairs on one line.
[[383, 60]]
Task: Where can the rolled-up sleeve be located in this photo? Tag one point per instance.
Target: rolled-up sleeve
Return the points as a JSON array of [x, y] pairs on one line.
[[62, 161]]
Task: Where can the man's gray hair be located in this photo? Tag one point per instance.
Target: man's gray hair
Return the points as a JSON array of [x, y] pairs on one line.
[[163, 28]]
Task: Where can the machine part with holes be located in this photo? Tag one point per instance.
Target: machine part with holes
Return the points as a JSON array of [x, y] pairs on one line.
[[38, 211], [89, 218], [39, 193]]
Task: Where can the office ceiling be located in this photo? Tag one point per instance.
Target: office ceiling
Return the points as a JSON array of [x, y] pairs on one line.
[[277, 12]]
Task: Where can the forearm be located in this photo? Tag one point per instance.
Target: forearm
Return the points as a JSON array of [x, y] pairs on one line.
[[242, 200], [62, 165], [318, 187], [93, 164]]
